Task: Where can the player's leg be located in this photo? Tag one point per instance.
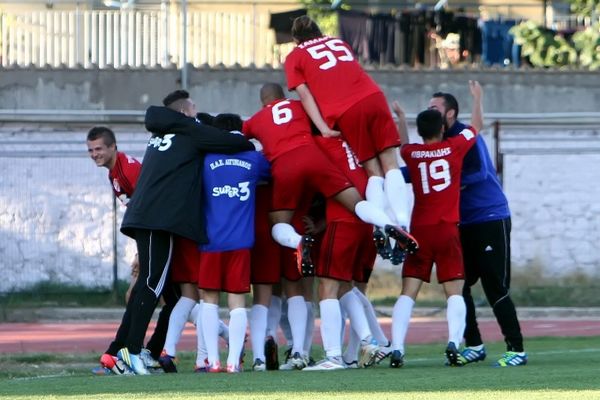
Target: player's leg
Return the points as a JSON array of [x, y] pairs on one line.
[[495, 280], [210, 328], [401, 318], [296, 313], [170, 296], [155, 251], [258, 323], [308, 293], [455, 316], [238, 321]]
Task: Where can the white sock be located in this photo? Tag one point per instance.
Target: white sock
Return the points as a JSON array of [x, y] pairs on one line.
[[193, 317], [201, 354], [370, 214], [284, 323], [358, 321], [286, 235], [258, 330], [376, 330], [177, 320], [456, 314], [331, 320], [375, 193], [351, 353], [223, 330], [297, 318], [238, 320], [397, 194], [273, 317], [344, 317], [210, 331], [400, 321], [310, 327]]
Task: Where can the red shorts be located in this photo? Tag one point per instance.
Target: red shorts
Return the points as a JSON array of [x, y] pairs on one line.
[[439, 244], [227, 271], [186, 260], [347, 252], [301, 170], [368, 127], [266, 255]]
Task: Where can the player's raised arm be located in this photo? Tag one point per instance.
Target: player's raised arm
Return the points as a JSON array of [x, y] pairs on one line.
[[311, 108], [402, 125], [477, 111]]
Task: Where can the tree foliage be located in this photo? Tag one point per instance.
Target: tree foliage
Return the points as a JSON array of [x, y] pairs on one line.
[[320, 11], [546, 48]]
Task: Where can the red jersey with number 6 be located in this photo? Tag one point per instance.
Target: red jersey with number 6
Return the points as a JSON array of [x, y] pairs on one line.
[[335, 79], [280, 126], [435, 175], [123, 176]]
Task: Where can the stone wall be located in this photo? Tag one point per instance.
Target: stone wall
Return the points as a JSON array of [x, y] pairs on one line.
[[56, 208], [236, 90]]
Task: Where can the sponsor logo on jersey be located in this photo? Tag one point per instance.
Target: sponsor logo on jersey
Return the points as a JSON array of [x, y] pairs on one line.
[[161, 143], [241, 191]]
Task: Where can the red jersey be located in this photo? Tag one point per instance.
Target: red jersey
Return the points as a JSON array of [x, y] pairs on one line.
[[280, 126], [124, 175], [340, 153], [435, 170], [335, 79]]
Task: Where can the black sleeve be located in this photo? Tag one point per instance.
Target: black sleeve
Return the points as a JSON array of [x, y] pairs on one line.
[[161, 120]]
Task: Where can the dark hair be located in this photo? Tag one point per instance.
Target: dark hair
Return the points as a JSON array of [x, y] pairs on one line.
[[429, 124], [103, 132], [205, 118], [228, 122], [304, 28], [449, 101], [175, 96]]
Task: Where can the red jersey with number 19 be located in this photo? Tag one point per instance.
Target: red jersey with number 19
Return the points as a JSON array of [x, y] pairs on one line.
[[123, 176], [435, 173], [280, 126], [334, 77]]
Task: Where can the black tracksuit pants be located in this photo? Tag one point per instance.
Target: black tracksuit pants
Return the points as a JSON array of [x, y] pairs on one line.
[[486, 252]]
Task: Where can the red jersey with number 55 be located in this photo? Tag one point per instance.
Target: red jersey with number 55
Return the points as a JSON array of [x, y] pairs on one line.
[[280, 126], [123, 176], [335, 79], [435, 175]]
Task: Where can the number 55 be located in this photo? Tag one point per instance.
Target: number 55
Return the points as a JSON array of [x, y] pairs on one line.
[[325, 50]]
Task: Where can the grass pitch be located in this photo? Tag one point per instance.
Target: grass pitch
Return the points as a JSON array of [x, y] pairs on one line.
[[559, 368]]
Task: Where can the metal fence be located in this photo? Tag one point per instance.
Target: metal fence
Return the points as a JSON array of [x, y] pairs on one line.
[[57, 219], [130, 38]]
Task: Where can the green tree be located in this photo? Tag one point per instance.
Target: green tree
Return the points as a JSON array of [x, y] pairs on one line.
[[320, 11], [544, 48]]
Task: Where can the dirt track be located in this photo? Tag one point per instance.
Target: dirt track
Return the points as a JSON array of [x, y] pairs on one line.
[[92, 336]]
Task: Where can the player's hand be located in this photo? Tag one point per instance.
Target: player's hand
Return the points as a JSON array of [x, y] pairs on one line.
[[476, 90], [311, 227], [398, 110], [330, 133]]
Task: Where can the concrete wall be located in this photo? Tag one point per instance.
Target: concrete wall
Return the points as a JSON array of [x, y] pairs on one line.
[[236, 90], [56, 215]]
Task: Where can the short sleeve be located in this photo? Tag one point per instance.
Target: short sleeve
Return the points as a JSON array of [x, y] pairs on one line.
[[293, 71]]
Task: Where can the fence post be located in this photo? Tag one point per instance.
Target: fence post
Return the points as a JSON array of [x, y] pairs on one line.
[[115, 283]]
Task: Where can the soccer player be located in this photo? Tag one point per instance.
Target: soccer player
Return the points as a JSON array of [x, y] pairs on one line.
[[345, 250], [485, 236], [434, 169], [298, 165], [229, 202], [123, 172], [339, 95], [167, 203]]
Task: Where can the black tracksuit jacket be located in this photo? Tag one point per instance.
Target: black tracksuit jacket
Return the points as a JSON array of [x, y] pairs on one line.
[[168, 192]]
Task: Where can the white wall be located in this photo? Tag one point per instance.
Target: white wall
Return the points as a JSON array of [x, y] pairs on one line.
[[56, 214]]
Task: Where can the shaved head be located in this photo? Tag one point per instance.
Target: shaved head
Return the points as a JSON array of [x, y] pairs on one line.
[[271, 92]]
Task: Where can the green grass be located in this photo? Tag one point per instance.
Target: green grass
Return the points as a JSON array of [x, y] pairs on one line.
[[559, 368]]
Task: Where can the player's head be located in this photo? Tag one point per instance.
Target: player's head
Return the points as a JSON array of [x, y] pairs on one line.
[[304, 28], [102, 146], [429, 124], [180, 101], [446, 104], [270, 92], [228, 122], [205, 118]]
